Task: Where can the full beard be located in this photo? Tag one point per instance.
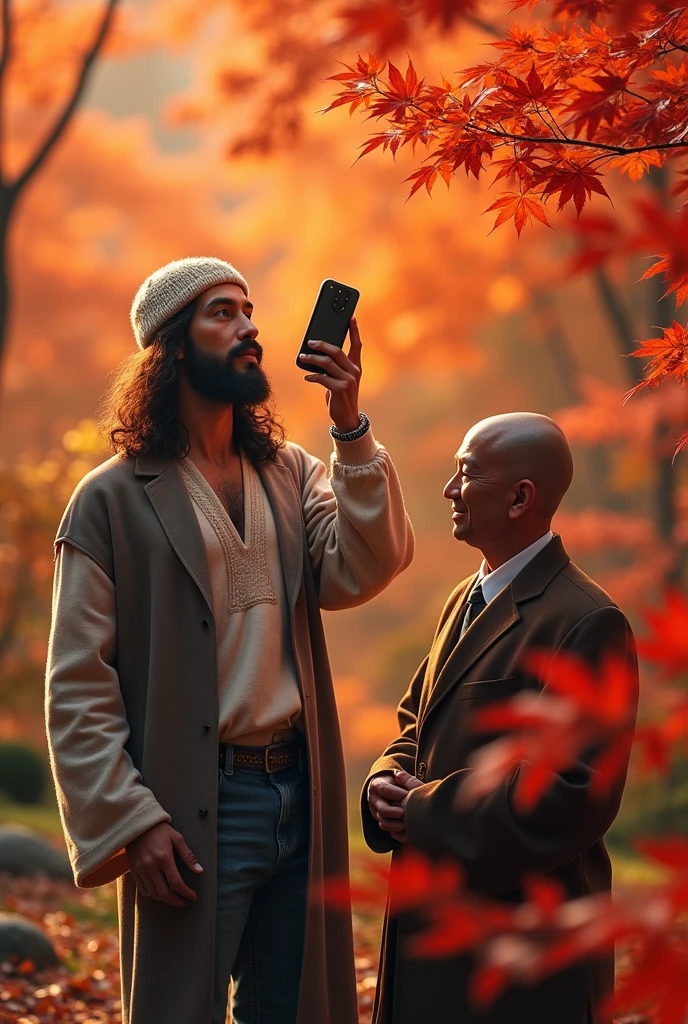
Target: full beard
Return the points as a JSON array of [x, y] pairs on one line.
[[217, 378]]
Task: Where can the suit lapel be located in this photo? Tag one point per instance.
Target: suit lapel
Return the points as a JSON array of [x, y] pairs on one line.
[[455, 657], [499, 616], [445, 641], [173, 507], [285, 502]]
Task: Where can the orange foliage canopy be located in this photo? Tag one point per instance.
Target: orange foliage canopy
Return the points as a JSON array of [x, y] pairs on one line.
[[562, 105]]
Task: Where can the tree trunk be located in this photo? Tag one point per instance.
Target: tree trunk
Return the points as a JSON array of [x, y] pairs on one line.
[[6, 209], [660, 315]]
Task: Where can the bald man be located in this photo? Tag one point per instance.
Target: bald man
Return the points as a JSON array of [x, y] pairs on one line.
[[511, 473]]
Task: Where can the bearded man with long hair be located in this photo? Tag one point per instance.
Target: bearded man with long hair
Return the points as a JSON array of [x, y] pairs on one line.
[[191, 718]]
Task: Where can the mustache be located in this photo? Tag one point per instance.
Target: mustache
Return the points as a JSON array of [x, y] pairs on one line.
[[247, 345]]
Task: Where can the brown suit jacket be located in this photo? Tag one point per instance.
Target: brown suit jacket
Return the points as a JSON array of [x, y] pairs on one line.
[[551, 605]]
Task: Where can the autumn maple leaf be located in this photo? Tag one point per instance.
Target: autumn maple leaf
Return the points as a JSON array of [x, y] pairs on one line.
[[666, 643], [546, 732], [668, 357], [574, 183], [523, 207], [669, 234], [635, 165]]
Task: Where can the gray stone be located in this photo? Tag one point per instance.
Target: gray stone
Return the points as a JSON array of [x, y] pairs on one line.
[[23, 852], [20, 939]]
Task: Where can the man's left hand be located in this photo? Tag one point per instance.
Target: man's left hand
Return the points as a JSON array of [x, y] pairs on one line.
[[401, 780], [344, 380]]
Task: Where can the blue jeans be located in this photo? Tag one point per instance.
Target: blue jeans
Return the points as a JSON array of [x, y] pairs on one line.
[[262, 878]]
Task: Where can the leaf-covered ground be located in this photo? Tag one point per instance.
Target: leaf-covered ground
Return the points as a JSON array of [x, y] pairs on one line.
[[82, 924], [83, 927]]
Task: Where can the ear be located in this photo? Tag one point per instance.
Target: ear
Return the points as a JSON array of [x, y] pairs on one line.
[[523, 497], [180, 352]]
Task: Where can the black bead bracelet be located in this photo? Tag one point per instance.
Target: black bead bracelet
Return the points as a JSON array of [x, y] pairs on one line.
[[352, 435]]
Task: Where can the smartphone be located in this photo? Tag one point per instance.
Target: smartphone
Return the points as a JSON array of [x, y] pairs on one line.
[[329, 320]]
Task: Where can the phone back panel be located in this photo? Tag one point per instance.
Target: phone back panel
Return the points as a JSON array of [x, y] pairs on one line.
[[330, 318]]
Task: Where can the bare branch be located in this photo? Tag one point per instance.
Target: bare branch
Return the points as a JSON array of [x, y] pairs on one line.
[[484, 26], [5, 52], [616, 312], [72, 103], [6, 16]]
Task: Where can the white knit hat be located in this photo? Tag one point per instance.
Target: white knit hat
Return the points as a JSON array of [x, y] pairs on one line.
[[172, 287]]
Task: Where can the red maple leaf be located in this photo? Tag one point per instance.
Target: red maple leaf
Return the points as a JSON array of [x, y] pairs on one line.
[[574, 183], [667, 233], [668, 357], [666, 643]]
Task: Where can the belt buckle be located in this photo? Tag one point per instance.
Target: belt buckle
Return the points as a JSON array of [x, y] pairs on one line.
[[268, 750]]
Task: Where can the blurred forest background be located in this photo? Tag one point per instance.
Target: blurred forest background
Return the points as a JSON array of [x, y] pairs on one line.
[[199, 131]]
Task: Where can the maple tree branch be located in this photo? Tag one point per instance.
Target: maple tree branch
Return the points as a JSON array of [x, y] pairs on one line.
[[540, 140], [566, 141], [553, 127], [72, 103]]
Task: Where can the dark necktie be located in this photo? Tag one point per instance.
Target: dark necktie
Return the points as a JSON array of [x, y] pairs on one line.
[[476, 603]]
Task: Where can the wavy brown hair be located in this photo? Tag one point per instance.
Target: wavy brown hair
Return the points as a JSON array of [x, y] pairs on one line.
[[139, 413]]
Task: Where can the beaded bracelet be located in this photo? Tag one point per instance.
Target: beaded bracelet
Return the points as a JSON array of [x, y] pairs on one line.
[[352, 435]]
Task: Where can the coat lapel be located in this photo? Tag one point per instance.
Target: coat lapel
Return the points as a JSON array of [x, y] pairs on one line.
[[445, 642], [173, 507], [502, 613], [285, 502], [499, 616]]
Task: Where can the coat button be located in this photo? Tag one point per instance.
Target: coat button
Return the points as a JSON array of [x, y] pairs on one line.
[[422, 769], [203, 813], [204, 623], [206, 728]]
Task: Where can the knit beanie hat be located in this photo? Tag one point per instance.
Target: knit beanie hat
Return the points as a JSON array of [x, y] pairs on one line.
[[169, 289]]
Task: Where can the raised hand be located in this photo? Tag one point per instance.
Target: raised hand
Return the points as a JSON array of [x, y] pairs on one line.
[[345, 376]]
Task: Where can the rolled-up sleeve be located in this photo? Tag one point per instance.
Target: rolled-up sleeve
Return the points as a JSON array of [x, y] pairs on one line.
[[359, 534], [102, 799]]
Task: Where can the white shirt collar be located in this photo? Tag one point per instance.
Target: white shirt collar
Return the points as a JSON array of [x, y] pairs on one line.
[[494, 582]]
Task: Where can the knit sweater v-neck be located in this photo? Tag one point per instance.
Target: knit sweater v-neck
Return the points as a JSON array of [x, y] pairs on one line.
[[257, 682]]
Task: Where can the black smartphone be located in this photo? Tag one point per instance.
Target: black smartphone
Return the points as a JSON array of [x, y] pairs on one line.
[[329, 320]]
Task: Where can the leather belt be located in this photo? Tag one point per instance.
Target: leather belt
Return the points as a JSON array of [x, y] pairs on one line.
[[273, 758]]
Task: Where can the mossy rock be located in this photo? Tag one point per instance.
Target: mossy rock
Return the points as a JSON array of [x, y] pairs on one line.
[[21, 940], [23, 852], [22, 773]]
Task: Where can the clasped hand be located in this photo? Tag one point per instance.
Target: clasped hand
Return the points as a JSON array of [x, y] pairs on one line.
[[387, 799]]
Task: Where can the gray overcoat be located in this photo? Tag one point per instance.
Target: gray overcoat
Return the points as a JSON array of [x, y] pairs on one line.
[[136, 521]]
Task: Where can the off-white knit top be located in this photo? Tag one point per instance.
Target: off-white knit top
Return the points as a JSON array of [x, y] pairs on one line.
[[257, 682]]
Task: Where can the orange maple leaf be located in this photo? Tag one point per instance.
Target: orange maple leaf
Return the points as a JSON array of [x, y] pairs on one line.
[[668, 357], [522, 207], [635, 165]]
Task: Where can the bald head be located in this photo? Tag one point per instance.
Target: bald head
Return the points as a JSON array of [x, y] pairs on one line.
[[512, 472], [526, 445]]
